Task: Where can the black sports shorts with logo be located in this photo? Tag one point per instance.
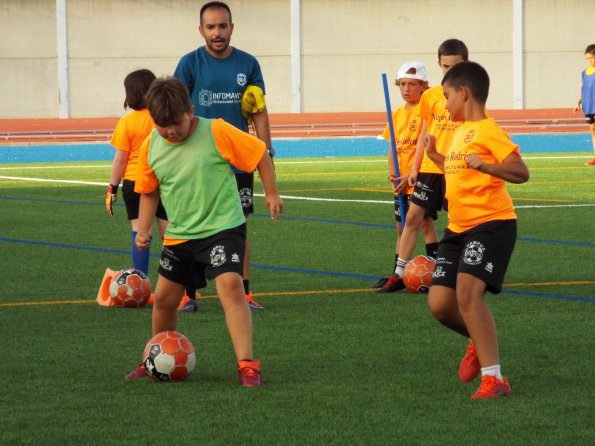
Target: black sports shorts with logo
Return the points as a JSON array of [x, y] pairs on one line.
[[193, 262], [483, 252]]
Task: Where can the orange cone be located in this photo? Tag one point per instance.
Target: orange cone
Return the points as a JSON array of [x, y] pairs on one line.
[[103, 297]]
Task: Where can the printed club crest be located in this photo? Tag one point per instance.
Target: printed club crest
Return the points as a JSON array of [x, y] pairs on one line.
[[241, 79], [473, 253], [218, 257]]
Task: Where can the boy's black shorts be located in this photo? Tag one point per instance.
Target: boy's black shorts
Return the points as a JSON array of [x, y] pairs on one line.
[[406, 201], [429, 193], [193, 262], [245, 183], [132, 202], [483, 251], [589, 119]]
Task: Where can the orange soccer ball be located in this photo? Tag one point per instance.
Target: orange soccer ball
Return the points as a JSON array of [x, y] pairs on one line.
[[169, 356], [417, 275], [130, 288]]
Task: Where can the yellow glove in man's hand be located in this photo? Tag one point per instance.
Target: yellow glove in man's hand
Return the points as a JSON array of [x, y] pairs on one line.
[[252, 102]]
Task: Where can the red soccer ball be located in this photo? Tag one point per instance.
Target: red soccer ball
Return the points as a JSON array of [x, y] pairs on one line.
[[169, 356], [130, 288], [417, 275]]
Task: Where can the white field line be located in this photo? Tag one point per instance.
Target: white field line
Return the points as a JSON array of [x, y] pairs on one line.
[[324, 161], [291, 197]]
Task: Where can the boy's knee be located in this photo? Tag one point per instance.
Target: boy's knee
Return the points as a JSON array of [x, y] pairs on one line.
[[440, 307]]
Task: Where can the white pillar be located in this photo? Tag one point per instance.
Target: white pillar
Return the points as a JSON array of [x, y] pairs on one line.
[[62, 35], [518, 57], [296, 57]]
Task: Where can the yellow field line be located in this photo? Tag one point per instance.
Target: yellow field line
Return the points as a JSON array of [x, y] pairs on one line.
[[294, 293]]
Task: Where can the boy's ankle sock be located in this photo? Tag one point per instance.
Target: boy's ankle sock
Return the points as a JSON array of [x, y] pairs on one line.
[[246, 286], [493, 370], [400, 267]]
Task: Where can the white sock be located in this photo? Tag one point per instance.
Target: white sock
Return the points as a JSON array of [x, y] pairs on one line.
[[493, 370], [400, 267]]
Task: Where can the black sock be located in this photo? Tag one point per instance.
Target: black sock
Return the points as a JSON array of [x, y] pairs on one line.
[[191, 293], [246, 286], [432, 249]]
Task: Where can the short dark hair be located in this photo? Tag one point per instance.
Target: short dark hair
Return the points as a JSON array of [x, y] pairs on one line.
[[136, 85], [453, 47], [590, 49], [167, 100], [470, 75], [214, 5]]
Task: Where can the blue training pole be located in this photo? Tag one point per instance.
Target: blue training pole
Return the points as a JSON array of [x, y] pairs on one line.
[[393, 143]]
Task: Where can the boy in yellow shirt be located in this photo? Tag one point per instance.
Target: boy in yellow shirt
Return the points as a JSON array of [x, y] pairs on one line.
[[412, 81], [427, 198], [479, 240]]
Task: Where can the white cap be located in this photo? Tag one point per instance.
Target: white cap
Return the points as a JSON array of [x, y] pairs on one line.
[[417, 70]]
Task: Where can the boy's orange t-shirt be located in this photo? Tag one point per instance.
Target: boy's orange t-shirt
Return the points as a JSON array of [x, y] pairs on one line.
[[432, 108], [128, 136], [407, 127], [474, 197]]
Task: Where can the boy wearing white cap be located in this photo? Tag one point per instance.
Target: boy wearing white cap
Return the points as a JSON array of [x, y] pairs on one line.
[[412, 81], [427, 198]]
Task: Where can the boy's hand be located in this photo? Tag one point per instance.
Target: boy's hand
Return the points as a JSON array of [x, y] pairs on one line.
[[399, 183], [412, 177], [274, 203], [143, 239], [475, 162], [430, 143]]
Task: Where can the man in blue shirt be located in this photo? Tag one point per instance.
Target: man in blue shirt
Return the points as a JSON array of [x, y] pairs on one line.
[[217, 76]]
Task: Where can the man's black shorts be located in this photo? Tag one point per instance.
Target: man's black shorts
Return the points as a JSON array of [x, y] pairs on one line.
[[245, 183]]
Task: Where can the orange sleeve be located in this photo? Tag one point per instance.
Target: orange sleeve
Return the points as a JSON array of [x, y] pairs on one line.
[[120, 139], [239, 148], [146, 182]]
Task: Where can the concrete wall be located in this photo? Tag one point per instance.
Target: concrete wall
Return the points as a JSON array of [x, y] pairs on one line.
[[346, 45]]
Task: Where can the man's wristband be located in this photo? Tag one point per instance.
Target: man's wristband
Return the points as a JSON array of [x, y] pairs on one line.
[[271, 151]]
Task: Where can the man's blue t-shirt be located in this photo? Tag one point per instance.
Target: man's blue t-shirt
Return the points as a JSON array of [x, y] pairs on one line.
[[216, 85]]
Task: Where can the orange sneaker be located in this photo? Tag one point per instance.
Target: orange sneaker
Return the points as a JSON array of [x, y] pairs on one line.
[[252, 303], [187, 305], [590, 163], [469, 367], [492, 387], [139, 372], [249, 373]]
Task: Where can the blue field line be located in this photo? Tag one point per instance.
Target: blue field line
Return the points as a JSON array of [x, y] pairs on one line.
[[283, 268], [313, 219], [384, 226], [286, 148], [550, 296]]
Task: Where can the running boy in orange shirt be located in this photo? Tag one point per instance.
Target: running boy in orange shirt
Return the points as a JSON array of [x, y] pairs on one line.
[[412, 81], [186, 161], [428, 196], [474, 253]]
